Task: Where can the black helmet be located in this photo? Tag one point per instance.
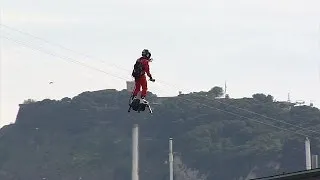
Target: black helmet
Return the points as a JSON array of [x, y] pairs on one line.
[[146, 53]]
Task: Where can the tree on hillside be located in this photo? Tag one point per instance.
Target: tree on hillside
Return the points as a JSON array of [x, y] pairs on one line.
[[216, 91], [262, 97], [29, 101]]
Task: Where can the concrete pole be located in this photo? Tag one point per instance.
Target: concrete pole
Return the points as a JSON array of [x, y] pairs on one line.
[[314, 161], [308, 154], [135, 152], [170, 159]]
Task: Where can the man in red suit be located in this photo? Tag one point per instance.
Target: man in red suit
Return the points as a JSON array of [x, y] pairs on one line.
[[141, 68]]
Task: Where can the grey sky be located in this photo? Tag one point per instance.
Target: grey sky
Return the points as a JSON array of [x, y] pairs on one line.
[[267, 46]]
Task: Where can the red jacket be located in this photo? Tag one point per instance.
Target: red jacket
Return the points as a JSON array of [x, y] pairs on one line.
[[145, 63]]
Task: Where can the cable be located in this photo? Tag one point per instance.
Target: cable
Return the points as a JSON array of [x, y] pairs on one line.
[[274, 119], [58, 45], [178, 96], [64, 58], [267, 117], [68, 49], [241, 116]]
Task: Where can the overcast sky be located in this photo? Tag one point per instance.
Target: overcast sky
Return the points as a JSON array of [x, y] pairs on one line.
[[257, 46]]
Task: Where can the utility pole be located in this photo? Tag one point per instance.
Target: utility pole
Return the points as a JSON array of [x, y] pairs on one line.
[[308, 153], [170, 159], [135, 152], [314, 161]]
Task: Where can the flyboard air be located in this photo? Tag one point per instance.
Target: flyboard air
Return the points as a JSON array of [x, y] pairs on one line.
[[138, 104]]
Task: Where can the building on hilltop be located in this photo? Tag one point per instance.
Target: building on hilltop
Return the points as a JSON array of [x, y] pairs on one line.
[[130, 85]]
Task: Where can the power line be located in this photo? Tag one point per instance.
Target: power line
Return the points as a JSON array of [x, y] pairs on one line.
[[282, 121], [60, 46], [64, 58], [264, 116], [245, 117], [68, 49], [83, 64], [241, 116]]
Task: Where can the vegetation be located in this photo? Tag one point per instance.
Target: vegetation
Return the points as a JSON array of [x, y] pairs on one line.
[[89, 137]]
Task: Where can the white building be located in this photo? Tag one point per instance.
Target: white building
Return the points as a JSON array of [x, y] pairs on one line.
[[130, 86]]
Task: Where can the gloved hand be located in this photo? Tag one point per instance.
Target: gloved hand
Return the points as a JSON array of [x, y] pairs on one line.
[[151, 79]]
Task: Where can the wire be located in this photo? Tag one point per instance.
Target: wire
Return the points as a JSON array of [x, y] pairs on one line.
[[264, 116], [64, 58], [235, 114], [58, 45], [72, 60], [282, 121], [241, 116], [68, 49]]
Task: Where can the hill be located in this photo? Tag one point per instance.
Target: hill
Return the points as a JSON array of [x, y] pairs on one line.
[[89, 137]]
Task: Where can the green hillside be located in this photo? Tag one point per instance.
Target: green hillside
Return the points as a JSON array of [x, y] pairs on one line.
[[88, 137]]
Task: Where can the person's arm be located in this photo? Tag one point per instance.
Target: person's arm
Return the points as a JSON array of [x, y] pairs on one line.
[[147, 70]]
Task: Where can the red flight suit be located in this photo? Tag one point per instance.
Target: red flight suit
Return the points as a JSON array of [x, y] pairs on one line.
[[142, 81]]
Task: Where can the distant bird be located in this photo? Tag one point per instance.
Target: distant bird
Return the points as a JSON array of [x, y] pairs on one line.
[[50, 82]]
